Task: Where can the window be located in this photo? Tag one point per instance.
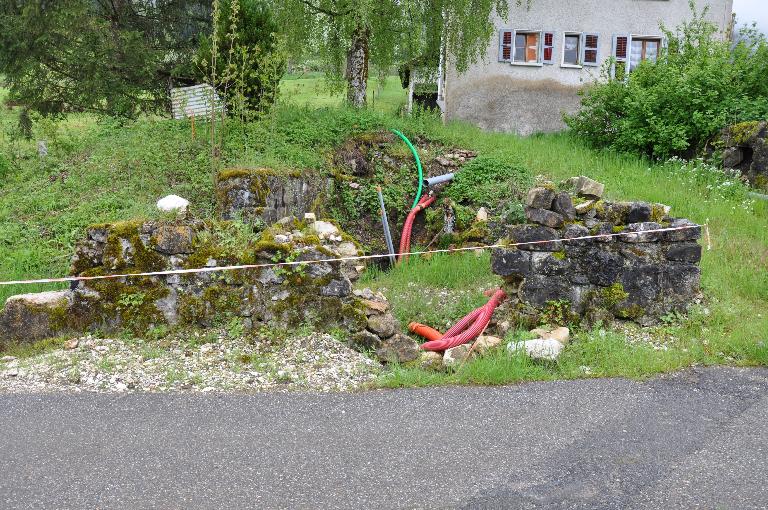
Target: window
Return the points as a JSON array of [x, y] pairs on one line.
[[572, 50], [527, 47], [643, 49]]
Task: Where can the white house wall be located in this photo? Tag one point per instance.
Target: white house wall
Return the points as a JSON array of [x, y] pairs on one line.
[[527, 99]]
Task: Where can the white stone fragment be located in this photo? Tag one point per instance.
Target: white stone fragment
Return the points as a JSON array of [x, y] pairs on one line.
[[482, 215], [538, 349], [324, 228], [173, 203]]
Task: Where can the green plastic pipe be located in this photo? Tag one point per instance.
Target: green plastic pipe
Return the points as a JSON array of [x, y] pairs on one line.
[[418, 165]]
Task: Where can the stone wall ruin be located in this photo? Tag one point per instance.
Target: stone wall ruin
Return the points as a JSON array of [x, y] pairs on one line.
[[633, 273]]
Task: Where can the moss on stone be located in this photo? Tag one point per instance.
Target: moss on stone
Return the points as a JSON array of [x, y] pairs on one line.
[[742, 132], [761, 182], [559, 255], [613, 295], [632, 312], [617, 229]]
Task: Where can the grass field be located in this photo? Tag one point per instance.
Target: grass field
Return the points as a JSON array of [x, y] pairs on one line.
[[310, 90], [99, 171]]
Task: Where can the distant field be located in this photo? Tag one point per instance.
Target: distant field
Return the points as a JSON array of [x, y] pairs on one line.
[[312, 90]]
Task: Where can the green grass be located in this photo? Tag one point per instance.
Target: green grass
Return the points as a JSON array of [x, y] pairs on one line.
[[101, 171], [385, 95]]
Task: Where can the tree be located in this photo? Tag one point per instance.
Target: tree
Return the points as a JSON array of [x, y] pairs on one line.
[[351, 35], [107, 56], [248, 65]]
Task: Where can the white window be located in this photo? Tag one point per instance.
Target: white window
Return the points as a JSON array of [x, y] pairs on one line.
[[572, 49], [630, 50], [526, 49], [643, 48], [580, 49]]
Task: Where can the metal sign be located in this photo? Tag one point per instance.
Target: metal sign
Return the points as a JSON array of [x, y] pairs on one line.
[[196, 101]]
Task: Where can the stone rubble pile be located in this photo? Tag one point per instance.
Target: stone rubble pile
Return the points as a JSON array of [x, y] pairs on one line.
[[633, 272]]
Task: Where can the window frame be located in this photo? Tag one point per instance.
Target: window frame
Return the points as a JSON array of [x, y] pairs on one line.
[[539, 48], [645, 38], [567, 65]]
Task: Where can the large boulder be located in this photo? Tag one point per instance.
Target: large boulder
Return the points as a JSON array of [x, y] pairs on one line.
[[31, 317]]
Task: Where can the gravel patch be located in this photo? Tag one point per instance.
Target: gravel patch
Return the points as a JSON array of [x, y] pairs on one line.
[[197, 362]]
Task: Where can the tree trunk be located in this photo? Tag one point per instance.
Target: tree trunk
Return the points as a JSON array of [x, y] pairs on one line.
[[357, 67]]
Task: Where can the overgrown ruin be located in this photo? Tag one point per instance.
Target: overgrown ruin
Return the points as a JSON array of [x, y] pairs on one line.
[[634, 272]]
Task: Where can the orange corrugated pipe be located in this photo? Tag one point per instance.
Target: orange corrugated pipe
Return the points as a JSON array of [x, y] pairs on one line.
[[424, 331]]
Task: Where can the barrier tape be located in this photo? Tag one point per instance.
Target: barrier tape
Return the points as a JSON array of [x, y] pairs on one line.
[[339, 259]]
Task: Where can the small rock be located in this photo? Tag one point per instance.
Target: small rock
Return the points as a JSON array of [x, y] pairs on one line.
[[586, 187], [561, 334], [101, 348], [8, 359], [540, 198], [310, 217], [71, 344], [456, 355], [347, 249], [12, 373], [486, 343], [540, 349], [325, 228], [364, 293], [173, 203], [431, 360], [398, 349], [584, 207], [375, 307], [482, 215], [286, 220], [383, 325], [281, 238], [354, 185]]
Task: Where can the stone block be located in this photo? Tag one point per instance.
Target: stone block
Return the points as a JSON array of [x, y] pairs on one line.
[[602, 267], [540, 238], [684, 252], [540, 198], [173, 239], [690, 232], [544, 217], [639, 212], [563, 205], [586, 187], [511, 262], [27, 318], [398, 349], [641, 233]]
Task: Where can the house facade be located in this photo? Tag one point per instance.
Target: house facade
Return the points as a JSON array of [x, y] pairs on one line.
[[544, 54]]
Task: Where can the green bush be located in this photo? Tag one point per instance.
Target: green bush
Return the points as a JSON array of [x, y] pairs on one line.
[[487, 181], [676, 105]]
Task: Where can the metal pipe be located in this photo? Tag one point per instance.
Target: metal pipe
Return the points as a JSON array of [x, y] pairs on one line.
[[438, 179], [757, 195], [385, 225]]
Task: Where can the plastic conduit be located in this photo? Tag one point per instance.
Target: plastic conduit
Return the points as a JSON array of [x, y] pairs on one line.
[[418, 166], [467, 328], [405, 238]]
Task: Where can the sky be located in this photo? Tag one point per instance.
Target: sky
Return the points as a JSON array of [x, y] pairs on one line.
[[748, 11]]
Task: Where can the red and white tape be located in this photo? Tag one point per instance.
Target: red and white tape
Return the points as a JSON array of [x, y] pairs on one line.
[[340, 259]]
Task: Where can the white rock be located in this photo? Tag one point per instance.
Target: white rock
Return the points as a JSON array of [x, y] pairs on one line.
[[325, 228], [538, 349], [173, 203], [485, 343], [281, 238], [482, 214], [310, 217], [8, 359]]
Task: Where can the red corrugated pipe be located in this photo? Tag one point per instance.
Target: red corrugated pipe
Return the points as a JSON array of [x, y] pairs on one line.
[[467, 328], [405, 239]]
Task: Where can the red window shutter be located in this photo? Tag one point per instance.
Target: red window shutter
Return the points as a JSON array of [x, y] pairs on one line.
[[621, 47], [549, 43], [505, 45]]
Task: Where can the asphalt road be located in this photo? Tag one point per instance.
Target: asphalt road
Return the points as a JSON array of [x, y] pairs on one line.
[[694, 439]]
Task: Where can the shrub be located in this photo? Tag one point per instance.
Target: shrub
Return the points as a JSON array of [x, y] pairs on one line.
[[677, 104], [487, 181]]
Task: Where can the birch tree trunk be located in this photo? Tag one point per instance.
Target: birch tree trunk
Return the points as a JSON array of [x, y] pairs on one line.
[[357, 67]]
